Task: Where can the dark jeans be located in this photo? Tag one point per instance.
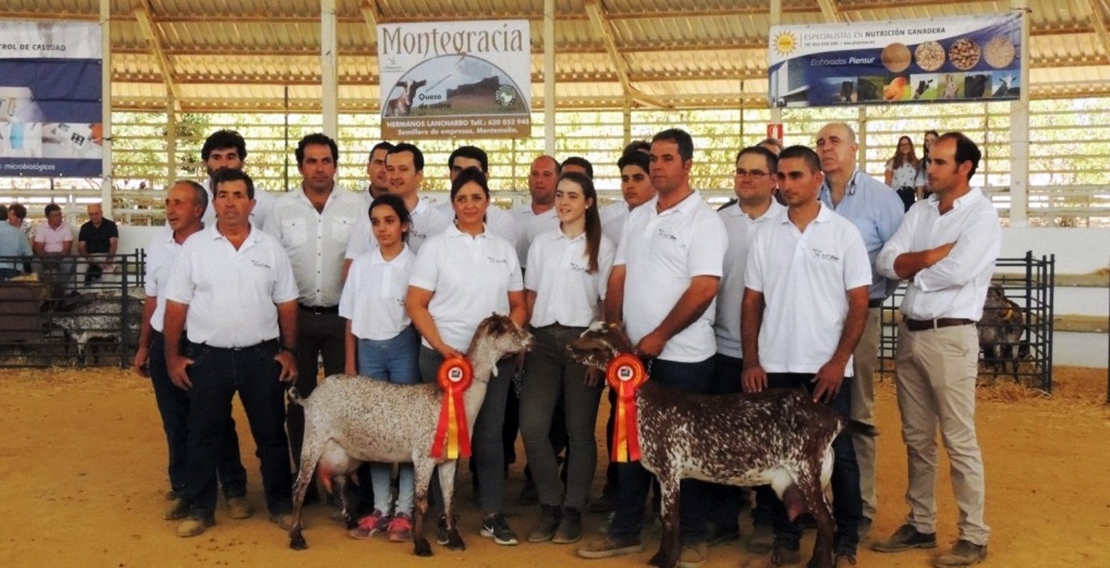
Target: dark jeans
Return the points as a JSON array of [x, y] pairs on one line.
[[725, 501], [217, 374], [485, 439], [633, 480], [317, 334], [173, 405], [847, 501]]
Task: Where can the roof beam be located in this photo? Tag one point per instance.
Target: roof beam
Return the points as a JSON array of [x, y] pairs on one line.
[[831, 11], [145, 18], [1099, 22], [602, 28]]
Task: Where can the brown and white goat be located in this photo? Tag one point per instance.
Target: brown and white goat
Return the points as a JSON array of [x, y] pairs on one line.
[[778, 437], [351, 419], [1000, 330], [402, 104]]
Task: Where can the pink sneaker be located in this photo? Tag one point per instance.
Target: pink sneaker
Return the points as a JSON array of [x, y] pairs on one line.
[[400, 528], [369, 525]]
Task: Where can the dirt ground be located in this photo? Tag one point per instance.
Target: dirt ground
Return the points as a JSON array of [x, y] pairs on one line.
[[82, 473]]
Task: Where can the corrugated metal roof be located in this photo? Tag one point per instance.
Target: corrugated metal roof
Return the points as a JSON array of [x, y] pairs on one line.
[[264, 55]]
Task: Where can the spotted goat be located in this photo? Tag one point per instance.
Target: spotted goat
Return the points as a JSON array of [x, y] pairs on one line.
[[778, 437], [350, 420]]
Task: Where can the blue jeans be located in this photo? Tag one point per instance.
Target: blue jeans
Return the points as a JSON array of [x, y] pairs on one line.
[[847, 500], [217, 374], [633, 480], [394, 361], [173, 406]]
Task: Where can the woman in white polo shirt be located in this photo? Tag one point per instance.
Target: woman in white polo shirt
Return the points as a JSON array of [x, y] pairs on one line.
[[383, 344], [461, 276], [564, 286]]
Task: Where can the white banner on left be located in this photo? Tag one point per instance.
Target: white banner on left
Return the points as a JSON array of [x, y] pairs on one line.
[[50, 40]]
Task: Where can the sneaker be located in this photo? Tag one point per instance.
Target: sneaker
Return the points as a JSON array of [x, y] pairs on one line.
[[762, 541], [370, 525], [400, 528], [283, 520], [239, 508], [905, 538], [609, 546], [965, 553], [570, 528], [550, 518], [693, 555], [194, 526], [529, 496], [606, 503], [717, 533], [441, 530], [178, 509], [781, 555], [603, 528], [494, 526]]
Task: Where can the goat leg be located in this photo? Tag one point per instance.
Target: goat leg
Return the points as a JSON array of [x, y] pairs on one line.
[[422, 474], [447, 487], [669, 545], [304, 477], [344, 499], [826, 525]]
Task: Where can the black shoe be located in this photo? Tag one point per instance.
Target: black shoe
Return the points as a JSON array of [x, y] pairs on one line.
[[441, 530], [606, 503], [570, 528], [494, 526], [550, 517], [905, 538]]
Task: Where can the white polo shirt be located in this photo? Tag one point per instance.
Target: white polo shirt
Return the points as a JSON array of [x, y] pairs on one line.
[[804, 278], [53, 240], [662, 252], [470, 278], [232, 294], [956, 286], [374, 295], [730, 291], [613, 218], [316, 241], [566, 292], [426, 221], [528, 226], [161, 255]]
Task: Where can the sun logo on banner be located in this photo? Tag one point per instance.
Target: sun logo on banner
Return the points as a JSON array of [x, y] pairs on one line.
[[785, 43]]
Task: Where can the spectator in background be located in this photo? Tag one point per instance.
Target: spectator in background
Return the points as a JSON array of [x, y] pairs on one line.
[[578, 164], [901, 172], [772, 145], [922, 186], [98, 236], [53, 244], [17, 215], [12, 243]]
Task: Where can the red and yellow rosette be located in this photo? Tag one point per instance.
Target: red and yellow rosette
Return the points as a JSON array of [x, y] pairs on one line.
[[452, 439], [625, 374]]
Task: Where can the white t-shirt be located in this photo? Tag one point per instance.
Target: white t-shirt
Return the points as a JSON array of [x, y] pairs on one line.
[[470, 278], [315, 241], [374, 295], [804, 278], [730, 290], [232, 294], [426, 221], [662, 252], [53, 240], [566, 292]]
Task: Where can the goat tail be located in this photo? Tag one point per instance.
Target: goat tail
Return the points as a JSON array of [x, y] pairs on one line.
[[294, 396], [862, 428]]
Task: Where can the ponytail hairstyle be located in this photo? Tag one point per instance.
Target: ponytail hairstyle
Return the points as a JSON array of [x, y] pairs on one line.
[[593, 218]]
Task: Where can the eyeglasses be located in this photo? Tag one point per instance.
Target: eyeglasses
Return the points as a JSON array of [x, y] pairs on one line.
[[751, 174]]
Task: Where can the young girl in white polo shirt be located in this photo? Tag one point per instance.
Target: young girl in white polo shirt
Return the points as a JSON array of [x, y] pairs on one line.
[[568, 269], [383, 344], [461, 276]]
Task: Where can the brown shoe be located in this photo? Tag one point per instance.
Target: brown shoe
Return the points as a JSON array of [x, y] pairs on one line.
[[177, 510], [609, 547], [193, 526], [965, 553], [283, 520], [239, 508], [906, 538]]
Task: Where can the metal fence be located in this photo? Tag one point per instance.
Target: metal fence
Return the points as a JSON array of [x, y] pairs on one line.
[[64, 311], [1030, 283]]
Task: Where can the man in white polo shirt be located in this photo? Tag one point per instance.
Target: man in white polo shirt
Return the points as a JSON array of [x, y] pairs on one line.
[[804, 309], [946, 248], [233, 287], [186, 202], [53, 244], [314, 223], [662, 286]]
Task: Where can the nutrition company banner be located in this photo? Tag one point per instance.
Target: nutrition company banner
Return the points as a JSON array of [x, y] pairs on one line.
[[455, 79], [969, 58], [50, 89]]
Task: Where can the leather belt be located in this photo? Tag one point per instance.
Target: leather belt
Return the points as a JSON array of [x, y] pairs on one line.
[[922, 325], [876, 303], [320, 309]]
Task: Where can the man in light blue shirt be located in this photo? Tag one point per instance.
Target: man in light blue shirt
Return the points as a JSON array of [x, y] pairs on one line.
[[12, 243], [877, 212]]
